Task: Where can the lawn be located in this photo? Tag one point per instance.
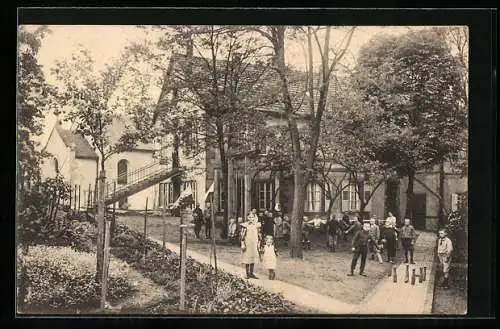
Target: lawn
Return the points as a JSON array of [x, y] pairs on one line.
[[320, 271], [451, 301]]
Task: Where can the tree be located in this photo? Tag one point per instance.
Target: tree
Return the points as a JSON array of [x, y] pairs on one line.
[[34, 98], [351, 134], [211, 90], [90, 99], [415, 80], [304, 155]]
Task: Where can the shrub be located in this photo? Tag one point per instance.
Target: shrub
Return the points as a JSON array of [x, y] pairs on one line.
[[232, 295], [60, 278]]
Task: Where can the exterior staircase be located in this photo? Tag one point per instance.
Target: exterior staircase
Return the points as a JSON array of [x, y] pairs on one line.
[[138, 180]]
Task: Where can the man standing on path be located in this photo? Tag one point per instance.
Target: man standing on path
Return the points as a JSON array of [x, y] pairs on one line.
[[198, 218], [408, 236], [444, 249], [360, 248]]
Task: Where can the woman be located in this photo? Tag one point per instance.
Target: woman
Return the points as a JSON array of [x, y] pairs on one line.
[[250, 243]]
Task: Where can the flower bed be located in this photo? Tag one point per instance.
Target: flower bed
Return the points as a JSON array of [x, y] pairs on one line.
[[231, 294], [63, 279]]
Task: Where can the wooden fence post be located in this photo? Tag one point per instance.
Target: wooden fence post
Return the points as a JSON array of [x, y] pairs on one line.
[[104, 282], [74, 204], [79, 195], [145, 229], [183, 269], [163, 210]]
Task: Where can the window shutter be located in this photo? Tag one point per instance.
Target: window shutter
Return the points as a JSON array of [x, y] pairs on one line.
[[345, 200], [454, 202]]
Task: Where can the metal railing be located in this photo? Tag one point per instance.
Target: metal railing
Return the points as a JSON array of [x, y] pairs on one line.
[[152, 172]]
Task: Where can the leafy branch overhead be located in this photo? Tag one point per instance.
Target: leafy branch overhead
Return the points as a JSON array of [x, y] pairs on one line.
[[93, 100]]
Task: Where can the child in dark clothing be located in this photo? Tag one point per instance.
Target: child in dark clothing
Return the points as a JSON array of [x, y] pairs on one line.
[[360, 244]]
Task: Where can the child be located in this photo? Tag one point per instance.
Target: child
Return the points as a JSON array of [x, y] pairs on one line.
[[306, 243], [444, 249], [232, 232], [269, 256], [408, 236], [286, 230], [360, 244], [375, 235]]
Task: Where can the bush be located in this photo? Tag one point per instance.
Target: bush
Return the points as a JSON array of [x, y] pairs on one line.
[[232, 295], [60, 278]]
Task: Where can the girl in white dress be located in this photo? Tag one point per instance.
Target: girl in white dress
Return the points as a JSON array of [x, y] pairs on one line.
[[250, 242], [269, 257]]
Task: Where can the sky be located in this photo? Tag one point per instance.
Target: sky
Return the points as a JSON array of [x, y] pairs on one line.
[[106, 42]]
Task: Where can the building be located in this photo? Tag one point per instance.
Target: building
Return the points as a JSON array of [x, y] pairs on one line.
[[263, 190], [72, 156]]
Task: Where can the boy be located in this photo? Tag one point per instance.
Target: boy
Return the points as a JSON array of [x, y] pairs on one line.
[[375, 235], [360, 248], [408, 236], [444, 249], [332, 231], [286, 230]]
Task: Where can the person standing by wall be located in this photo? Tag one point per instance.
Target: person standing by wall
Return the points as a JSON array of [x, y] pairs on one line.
[[360, 243], [250, 244], [444, 250], [408, 236], [198, 220]]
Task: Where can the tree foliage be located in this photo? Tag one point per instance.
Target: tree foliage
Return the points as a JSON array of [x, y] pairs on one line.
[[91, 100], [34, 99], [415, 81]]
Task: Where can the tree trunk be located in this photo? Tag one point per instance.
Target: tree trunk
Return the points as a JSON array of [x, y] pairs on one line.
[[225, 185], [299, 193], [409, 195], [100, 226], [441, 194], [176, 180]]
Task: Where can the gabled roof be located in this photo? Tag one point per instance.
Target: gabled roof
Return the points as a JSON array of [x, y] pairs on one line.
[[83, 150], [262, 81]]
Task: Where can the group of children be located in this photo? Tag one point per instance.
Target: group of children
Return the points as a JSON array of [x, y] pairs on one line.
[[260, 234]]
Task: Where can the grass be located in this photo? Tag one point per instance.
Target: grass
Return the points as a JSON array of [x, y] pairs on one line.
[[451, 301], [320, 271]]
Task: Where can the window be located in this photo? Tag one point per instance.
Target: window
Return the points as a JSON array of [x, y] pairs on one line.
[[314, 196], [351, 201], [454, 201], [167, 192], [122, 172], [221, 197], [192, 184], [265, 189], [56, 166]]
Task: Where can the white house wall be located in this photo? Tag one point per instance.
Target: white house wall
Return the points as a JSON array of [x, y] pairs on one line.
[[136, 160], [84, 173], [59, 150]]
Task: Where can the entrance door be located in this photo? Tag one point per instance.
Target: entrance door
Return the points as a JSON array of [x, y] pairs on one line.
[[419, 204]]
